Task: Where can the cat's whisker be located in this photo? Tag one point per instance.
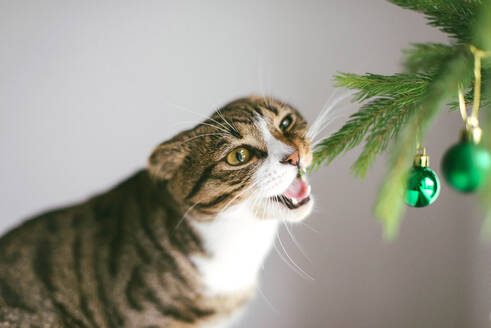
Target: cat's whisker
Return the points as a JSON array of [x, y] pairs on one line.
[[216, 127], [295, 241], [282, 257], [223, 209], [203, 116], [317, 129], [329, 108], [269, 86], [221, 128], [263, 92], [266, 207], [284, 103], [288, 260], [219, 123], [203, 135], [267, 99], [261, 202], [258, 197], [293, 262], [227, 122], [201, 123], [184, 216], [318, 138], [308, 226], [184, 123], [255, 202], [261, 79], [238, 195], [317, 124], [275, 310], [327, 121]]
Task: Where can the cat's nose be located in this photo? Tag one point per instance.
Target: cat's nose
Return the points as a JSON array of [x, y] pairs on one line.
[[292, 159]]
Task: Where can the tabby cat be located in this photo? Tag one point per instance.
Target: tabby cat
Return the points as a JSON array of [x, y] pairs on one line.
[[178, 244]]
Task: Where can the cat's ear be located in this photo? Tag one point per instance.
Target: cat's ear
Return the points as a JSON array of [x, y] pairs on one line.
[[167, 158]]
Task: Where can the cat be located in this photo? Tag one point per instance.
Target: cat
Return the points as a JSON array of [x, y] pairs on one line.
[[179, 243]]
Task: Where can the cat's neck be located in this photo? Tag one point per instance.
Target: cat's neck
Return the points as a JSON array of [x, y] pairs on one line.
[[237, 243]]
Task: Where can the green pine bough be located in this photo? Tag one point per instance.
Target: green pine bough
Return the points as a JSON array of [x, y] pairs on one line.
[[396, 110]]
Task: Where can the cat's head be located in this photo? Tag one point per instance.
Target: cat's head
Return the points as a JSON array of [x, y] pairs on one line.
[[248, 153]]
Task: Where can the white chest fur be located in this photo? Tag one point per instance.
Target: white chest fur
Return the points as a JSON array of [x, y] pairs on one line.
[[237, 242]]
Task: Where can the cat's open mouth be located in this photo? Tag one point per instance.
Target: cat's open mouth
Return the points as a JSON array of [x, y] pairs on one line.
[[296, 195]]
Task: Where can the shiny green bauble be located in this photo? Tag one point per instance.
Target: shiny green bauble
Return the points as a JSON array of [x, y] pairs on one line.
[[423, 187], [466, 165]]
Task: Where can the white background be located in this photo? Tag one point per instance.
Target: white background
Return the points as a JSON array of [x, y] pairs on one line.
[[88, 88]]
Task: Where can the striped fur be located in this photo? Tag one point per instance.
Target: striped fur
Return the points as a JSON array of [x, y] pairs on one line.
[[131, 257]]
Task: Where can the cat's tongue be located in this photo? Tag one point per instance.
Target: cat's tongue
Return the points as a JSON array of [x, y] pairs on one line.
[[298, 190]]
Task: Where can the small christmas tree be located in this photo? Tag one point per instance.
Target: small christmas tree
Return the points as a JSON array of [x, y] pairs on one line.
[[397, 110]]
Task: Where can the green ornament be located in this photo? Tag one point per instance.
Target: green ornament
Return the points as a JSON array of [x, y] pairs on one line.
[[466, 165], [423, 187]]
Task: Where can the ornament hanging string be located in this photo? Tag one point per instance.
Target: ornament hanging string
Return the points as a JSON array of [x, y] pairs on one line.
[[473, 120], [420, 158]]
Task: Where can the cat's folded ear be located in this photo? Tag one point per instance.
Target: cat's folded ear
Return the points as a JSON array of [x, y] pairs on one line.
[[166, 159]]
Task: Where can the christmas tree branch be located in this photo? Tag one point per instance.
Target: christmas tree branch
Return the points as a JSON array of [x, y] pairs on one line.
[[389, 206], [450, 16], [400, 107], [424, 57], [393, 97]]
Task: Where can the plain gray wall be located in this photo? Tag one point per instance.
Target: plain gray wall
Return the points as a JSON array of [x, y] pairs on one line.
[[88, 88]]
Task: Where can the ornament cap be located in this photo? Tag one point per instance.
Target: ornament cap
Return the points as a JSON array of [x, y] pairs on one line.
[[471, 133], [421, 159]]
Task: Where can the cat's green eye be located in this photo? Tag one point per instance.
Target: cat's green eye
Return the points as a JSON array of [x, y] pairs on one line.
[[239, 156], [286, 123]]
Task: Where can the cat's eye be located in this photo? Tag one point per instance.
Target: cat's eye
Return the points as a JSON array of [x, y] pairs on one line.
[[286, 123], [239, 156]]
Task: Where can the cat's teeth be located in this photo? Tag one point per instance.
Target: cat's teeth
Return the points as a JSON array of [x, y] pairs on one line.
[[309, 188], [294, 201]]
